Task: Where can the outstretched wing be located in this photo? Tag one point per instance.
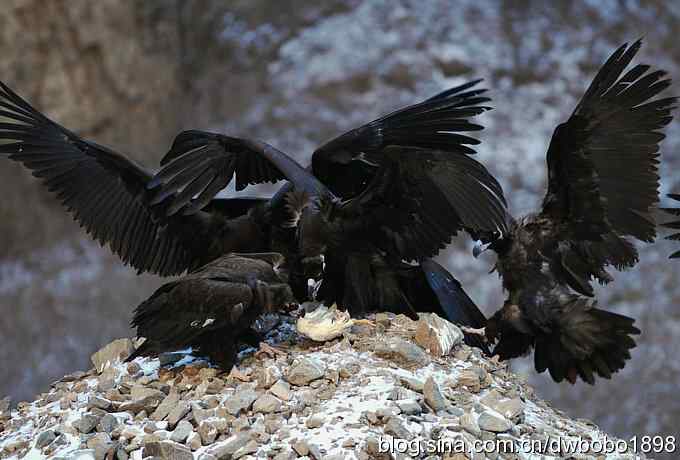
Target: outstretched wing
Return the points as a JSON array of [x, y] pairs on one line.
[[675, 225], [347, 163], [603, 168], [200, 164], [104, 190], [419, 198]]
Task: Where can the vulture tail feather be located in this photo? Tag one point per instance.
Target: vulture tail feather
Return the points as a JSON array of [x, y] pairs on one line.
[[585, 342]]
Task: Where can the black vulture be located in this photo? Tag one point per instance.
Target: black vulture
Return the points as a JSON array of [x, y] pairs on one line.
[[396, 189], [674, 225], [602, 186], [213, 307], [107, 194]]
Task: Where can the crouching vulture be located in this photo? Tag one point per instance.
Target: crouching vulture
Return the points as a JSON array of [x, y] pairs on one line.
[[602, 186], [212, 308]]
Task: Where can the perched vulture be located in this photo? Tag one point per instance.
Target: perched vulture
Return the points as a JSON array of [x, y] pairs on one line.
[[602, 186], [675, 225], [395, 189], [212, 308]]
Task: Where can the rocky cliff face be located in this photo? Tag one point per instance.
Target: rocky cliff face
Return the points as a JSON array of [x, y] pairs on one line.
[[393, 389]]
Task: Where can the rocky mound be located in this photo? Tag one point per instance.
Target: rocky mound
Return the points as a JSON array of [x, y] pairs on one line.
[[397, 389]]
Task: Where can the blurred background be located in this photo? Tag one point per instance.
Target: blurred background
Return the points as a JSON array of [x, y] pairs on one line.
[[132, 74]]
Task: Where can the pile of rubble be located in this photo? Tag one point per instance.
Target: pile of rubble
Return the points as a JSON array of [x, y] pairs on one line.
[[394, 389]]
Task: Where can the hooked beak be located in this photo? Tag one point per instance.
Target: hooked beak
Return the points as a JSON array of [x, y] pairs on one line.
[[479, 248], [313, 288]]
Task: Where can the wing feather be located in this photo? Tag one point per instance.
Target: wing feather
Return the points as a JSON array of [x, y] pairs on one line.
[[347, 163], [103, 190], [200, 164], [603, 176]]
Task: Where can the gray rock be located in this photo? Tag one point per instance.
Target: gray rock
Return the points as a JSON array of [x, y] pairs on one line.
[[396, 428], [81, 454], [268, 376], [305, 371], [250, 448], [86, 423], [437, 335], [194, 441], [494, 422], [512, 409], [469, 424], [286, 454], [410, 407], [73, 376], [208, 432], [301, 448], [200, 414], [401, 351], [167, 450], [142, 399], [98, 402], [182, 431], [117, 350], [45, 438], [101, 444], [108, 423], [412, 384], [385, 412], [164, 408], [139, 392], [281, 389], [433, 395], [315, 452], [121, 453], [226, 449], [241, 400], [177, 413], [267, 404], [315, 421]]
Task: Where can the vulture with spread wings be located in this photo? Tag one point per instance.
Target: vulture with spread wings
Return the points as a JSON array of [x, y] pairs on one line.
[[602, 186], [107, 194], [674, 225], [395, 189]]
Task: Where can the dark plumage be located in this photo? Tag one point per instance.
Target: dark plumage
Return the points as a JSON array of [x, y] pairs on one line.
[[675, 225], [370, 283], [397, 188], [107, 194], [211, 308], [602, 185]]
